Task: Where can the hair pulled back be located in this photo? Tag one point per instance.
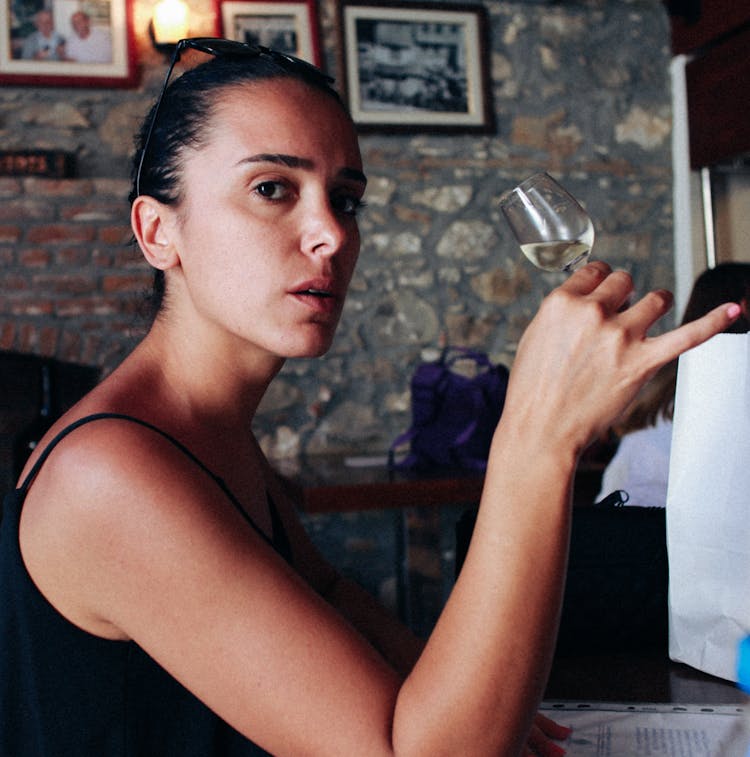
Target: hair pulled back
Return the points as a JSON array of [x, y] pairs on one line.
[[184, 120]]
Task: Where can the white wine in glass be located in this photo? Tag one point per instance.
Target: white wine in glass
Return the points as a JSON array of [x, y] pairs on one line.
[[554, 231]]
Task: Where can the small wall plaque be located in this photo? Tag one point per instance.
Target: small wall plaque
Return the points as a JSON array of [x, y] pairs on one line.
[[53, 164]]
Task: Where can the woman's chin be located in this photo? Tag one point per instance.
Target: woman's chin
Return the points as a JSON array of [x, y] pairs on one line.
[[310, 348]]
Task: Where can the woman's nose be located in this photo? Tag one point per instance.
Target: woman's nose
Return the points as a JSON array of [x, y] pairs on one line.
[[326, 231]]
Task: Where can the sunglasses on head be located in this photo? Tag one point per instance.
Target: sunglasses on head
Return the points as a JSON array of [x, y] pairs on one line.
[[227, 48]]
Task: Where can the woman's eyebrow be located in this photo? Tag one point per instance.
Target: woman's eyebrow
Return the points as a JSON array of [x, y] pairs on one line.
[[291, 161], [295, 161]]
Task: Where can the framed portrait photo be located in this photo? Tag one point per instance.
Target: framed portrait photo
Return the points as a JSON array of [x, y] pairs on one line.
[[290, 27], [79, 43], [416, 66]]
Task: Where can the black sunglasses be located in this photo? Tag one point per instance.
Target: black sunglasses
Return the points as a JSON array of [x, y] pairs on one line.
[[227, 48]]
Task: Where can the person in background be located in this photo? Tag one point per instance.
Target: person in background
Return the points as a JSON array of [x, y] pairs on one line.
[[44, 43], [640, 465], [88, 44], [160, 595]]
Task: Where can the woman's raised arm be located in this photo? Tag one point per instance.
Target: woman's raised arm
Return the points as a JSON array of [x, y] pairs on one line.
[[579, 363]]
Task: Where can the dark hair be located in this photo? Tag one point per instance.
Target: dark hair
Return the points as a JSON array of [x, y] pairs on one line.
[[726, 282], [183, 120]]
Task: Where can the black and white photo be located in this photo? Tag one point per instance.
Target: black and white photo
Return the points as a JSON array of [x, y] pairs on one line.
[[416, 66], [290, 27]]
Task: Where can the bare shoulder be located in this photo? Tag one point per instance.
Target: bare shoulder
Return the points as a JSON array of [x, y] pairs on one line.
[[110, 496], [112, 456]]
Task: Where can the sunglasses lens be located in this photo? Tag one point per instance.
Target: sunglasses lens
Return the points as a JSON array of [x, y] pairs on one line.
[[217, 46]]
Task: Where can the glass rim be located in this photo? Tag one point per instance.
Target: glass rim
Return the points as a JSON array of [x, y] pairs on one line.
[[511, 193], [529, 180], [520, 189]]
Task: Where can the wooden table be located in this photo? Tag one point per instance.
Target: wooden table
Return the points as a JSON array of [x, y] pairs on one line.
[[328, 483], [339, 483]]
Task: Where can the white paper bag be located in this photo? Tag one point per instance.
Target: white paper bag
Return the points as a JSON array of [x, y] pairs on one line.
[[708, 506]]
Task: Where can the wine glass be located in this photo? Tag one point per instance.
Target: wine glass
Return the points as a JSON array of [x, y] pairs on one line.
[[554, 231]]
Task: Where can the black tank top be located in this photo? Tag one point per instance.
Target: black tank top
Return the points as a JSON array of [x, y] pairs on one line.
[[67, 693]]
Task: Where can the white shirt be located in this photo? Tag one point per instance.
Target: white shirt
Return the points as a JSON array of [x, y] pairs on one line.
[[96, 48], [641, 466]]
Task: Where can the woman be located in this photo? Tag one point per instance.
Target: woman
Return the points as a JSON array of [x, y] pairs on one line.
[[640, 466], [164, 586]]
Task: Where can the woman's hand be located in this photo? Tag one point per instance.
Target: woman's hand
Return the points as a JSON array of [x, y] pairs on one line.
[[584, 356], [541, 741]]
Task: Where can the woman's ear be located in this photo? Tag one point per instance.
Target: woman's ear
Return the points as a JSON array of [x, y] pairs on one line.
[[150, 220]]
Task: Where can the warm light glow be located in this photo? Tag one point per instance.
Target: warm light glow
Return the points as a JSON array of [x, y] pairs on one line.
[[170, 21]]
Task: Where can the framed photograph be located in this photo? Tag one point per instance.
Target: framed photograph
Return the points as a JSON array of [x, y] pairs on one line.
[[79, 43], [416, 66], [291, 27]]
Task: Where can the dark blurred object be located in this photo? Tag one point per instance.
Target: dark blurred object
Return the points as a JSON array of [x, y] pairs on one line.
[[699, 23], [20, 393], [600, 451], [26, 441], [715, 34], [616, 586], [687, 11]]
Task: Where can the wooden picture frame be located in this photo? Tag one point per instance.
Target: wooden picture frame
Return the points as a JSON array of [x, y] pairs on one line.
[[290, 27], [416, 66], [67, 43]]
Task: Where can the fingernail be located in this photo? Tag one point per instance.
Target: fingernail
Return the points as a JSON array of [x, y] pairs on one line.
[[734, 310]]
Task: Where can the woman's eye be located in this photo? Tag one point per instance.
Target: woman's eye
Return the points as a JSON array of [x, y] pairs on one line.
[[347, 204], [272, 190]]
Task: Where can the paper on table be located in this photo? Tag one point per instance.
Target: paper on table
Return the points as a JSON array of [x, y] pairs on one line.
[[708, 506], [610, 729]]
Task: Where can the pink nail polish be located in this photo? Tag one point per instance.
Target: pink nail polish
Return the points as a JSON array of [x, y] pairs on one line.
[[734, 310]]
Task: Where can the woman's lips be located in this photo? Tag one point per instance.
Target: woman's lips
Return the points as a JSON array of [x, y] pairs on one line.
[[320, 296]]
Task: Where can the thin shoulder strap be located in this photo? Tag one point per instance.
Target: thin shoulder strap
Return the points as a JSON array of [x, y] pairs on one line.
[[120, 416]]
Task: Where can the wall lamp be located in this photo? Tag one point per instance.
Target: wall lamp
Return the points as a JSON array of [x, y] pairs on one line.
[[169, 24]]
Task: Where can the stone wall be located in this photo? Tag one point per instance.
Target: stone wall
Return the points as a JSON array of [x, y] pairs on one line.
[[580, 89]]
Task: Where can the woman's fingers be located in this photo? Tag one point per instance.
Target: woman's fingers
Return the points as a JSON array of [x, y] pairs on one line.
[[588, 357], [586, 279], [599, 282], [551, 728], [612, 290], [540, 737], [673, 343], [641, 316]]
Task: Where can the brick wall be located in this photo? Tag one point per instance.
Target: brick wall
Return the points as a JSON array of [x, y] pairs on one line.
[[71, 281]]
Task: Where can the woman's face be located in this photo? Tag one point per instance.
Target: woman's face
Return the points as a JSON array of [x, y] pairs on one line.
[[266, 232]]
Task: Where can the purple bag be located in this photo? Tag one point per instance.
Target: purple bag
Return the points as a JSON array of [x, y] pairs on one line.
[[453, 416]]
